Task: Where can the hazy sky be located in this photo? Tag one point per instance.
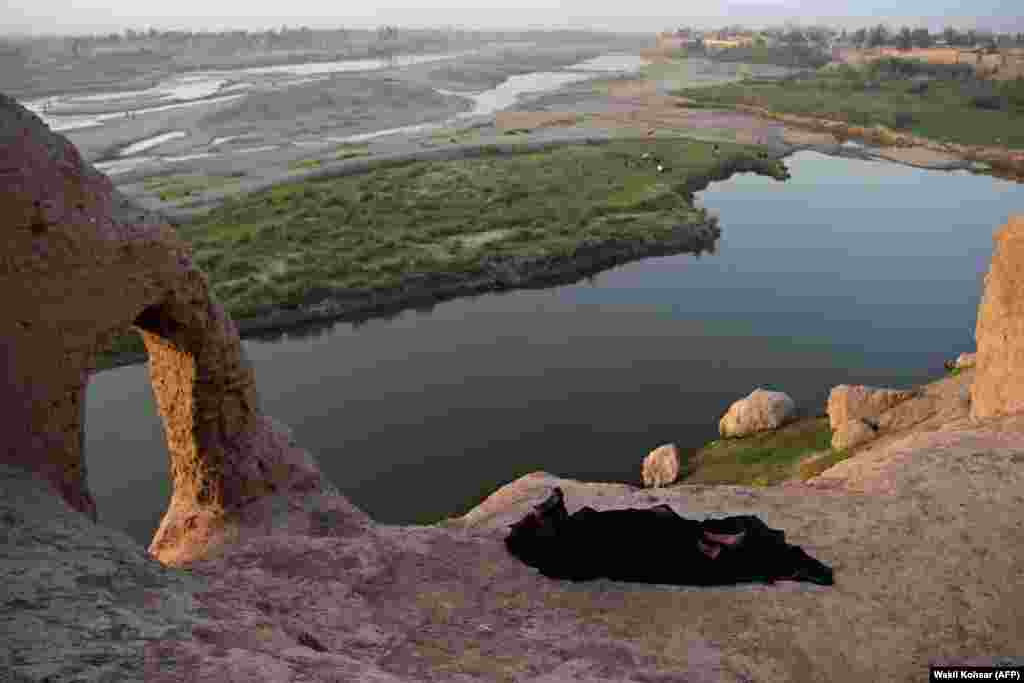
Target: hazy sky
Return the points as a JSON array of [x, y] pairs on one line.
[[66, 16]]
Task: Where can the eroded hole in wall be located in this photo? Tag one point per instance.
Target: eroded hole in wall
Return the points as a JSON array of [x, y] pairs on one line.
[[154, 320], [125, 451], [125, 443]]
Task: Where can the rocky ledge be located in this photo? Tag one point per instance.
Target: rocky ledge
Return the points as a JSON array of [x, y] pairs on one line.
[[262, 572]]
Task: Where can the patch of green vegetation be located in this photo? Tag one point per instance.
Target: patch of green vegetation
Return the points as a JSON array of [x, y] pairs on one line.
[[349, 151], [677, 73], [462, 134], [301, 242], [812, 467], [304, 164], [761, 459], [952, 106], [783, 55], [171, 188], [129, 343], [953, 372]]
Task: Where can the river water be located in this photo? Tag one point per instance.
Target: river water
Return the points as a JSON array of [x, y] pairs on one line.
[[850, 272]]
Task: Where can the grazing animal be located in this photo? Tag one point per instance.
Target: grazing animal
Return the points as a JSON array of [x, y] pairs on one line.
[[657, 546]]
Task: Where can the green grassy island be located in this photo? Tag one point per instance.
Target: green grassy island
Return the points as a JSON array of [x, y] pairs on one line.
[[404, 234]]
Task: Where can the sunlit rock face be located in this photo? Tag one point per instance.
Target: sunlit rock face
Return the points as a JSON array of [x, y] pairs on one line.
[[80, 264], [998, 387]]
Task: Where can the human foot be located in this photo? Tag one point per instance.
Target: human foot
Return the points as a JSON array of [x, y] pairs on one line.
[[806, 568]]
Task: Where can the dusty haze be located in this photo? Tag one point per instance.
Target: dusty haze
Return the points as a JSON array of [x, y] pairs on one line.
[[65, 17]]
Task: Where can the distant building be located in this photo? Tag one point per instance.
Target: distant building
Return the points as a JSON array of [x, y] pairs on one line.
[[673, 41], [726, 43]]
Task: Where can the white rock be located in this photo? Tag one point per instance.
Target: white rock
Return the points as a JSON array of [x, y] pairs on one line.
[[760, 411], [849, 402], [661, 466]]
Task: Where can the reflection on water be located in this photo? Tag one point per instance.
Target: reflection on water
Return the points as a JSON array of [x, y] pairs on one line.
[[118, 166], [701, 244], [66, 123], [509, 92], [201, 89], [850, 272], [149, 143], [611, 63], [313, 68], [70, 112]]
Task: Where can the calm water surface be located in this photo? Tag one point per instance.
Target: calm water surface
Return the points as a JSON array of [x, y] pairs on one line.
[[852, 271]]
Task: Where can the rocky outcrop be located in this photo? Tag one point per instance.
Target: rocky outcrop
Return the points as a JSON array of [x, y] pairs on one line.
[[661, 466], [80, 264], [999, 376], [846, 402], [760, 411], [853, 433], [81, 602]]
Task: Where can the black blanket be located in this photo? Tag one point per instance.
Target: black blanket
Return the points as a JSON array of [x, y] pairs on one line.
[[657, 545]]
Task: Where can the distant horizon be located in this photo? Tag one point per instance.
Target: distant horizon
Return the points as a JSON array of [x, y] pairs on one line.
[[60, 18], [143, 26]]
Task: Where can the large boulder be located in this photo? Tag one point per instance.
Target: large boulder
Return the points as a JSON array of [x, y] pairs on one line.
[[661, 466], [850, 402], [998, 387], [759, 412], [852, 433], [80, 264]]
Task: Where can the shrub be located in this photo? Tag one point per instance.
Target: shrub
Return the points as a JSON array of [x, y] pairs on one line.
[[989, 102], [335, 200], [918, 88], [903, 120], [1013, 91], [237, 268]]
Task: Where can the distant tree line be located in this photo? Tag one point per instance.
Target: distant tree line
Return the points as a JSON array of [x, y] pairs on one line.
[[906, 38]]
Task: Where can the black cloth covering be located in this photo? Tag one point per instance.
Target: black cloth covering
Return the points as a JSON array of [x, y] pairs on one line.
[[656, 545]]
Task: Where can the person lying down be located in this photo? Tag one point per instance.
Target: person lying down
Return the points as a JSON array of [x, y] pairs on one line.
[[656, 545]]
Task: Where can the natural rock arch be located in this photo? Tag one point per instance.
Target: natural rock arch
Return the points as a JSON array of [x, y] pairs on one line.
[[204, 390], [79, 265]]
